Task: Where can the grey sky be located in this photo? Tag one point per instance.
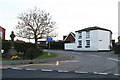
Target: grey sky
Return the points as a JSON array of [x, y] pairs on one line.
[[70, 15]]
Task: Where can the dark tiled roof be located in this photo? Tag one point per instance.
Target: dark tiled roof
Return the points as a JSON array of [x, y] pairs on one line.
[[73, 34], [93, 28]]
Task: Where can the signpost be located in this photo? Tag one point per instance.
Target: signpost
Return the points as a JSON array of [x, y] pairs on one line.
[[49, 39]]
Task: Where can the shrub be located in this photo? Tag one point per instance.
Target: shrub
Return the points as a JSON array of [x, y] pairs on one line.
[[117, 48], [6, 45], [32, 53], [56, 45], [19, 47]]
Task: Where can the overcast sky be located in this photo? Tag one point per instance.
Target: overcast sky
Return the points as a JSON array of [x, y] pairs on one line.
[[70, 15]]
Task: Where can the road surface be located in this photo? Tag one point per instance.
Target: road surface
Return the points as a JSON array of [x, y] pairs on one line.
[[96, 63]]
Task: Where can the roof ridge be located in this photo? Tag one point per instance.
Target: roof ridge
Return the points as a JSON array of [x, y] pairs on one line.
[[93, 28]]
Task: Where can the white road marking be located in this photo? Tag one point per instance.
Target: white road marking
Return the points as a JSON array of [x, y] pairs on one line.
[[80, 72], [31, 69], [100, 73], [113, 59], [96, 72], [116, 74], [62, 71], [57, 63], [17, 68], [45, 70], [103, 73], [69, 61], [95, 56]]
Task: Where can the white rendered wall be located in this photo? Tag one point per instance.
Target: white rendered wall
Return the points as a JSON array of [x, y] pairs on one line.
[[69, 46], [104, 40], [99, 40], [93, 41]]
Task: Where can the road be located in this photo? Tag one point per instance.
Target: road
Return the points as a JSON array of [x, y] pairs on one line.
[[83, 62], [10, 73]]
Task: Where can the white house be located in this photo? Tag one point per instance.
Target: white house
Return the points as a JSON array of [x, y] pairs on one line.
[[91, 39]]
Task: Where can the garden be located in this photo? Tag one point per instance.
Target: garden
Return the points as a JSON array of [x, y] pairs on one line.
[[24, 51]]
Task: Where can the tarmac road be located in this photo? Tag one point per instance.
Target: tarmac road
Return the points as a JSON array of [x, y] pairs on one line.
[[10, 73], [83, 61]]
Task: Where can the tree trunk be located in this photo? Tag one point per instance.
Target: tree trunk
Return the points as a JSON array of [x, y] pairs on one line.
[[36, 45]]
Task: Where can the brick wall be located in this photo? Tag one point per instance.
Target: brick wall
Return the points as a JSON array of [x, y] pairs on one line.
[[2, 31]]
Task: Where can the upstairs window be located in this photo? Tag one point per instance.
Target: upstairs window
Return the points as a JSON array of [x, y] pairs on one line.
[[80, 35], [87, 34]]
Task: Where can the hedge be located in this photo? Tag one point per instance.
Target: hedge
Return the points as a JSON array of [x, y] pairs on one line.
[[22, 47], [6, 45], [117, 48], [56, 45], [19, 47]]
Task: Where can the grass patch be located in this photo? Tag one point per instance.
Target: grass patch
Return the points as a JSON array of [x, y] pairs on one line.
[[46, 56], [43, 56]]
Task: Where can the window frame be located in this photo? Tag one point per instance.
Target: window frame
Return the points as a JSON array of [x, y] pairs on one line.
[[87, 44], [87, 34], [79, 44], [79, 35]]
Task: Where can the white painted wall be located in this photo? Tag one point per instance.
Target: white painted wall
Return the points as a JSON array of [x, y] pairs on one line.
[[104, 40], [93, 41], [69, 46], [99, 40]]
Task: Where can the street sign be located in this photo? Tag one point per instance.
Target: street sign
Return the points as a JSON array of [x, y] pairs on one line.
[[49, 39]]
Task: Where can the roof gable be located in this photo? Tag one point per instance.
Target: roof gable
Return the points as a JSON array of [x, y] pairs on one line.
[[2, 28], [72, 34]]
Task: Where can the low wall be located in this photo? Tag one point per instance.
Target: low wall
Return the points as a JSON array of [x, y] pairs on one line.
[[69, 46]]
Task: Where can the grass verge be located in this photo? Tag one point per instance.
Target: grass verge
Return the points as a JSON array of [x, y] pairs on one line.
[[43, 56], [46, 56]]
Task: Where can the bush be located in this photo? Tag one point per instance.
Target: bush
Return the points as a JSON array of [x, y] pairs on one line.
[[22, 47], [32, 53], [19, 47], [6, 45], [56, 45], [117, 48], [25, 50]]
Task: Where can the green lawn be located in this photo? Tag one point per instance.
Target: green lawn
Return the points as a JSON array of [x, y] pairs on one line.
[[44, 56]]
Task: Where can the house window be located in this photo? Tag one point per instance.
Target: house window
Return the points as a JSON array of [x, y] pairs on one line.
[[79, 43], [87, 43], [87, 34], [80, 35]]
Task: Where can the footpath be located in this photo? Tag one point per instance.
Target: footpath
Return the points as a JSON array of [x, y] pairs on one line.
[[61, 57]]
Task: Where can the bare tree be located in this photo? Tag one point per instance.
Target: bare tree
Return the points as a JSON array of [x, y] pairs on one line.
[[35, 24]]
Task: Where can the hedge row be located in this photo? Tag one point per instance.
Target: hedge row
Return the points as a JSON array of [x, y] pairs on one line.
[[56, 45], [19, 47], [117, 48]]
